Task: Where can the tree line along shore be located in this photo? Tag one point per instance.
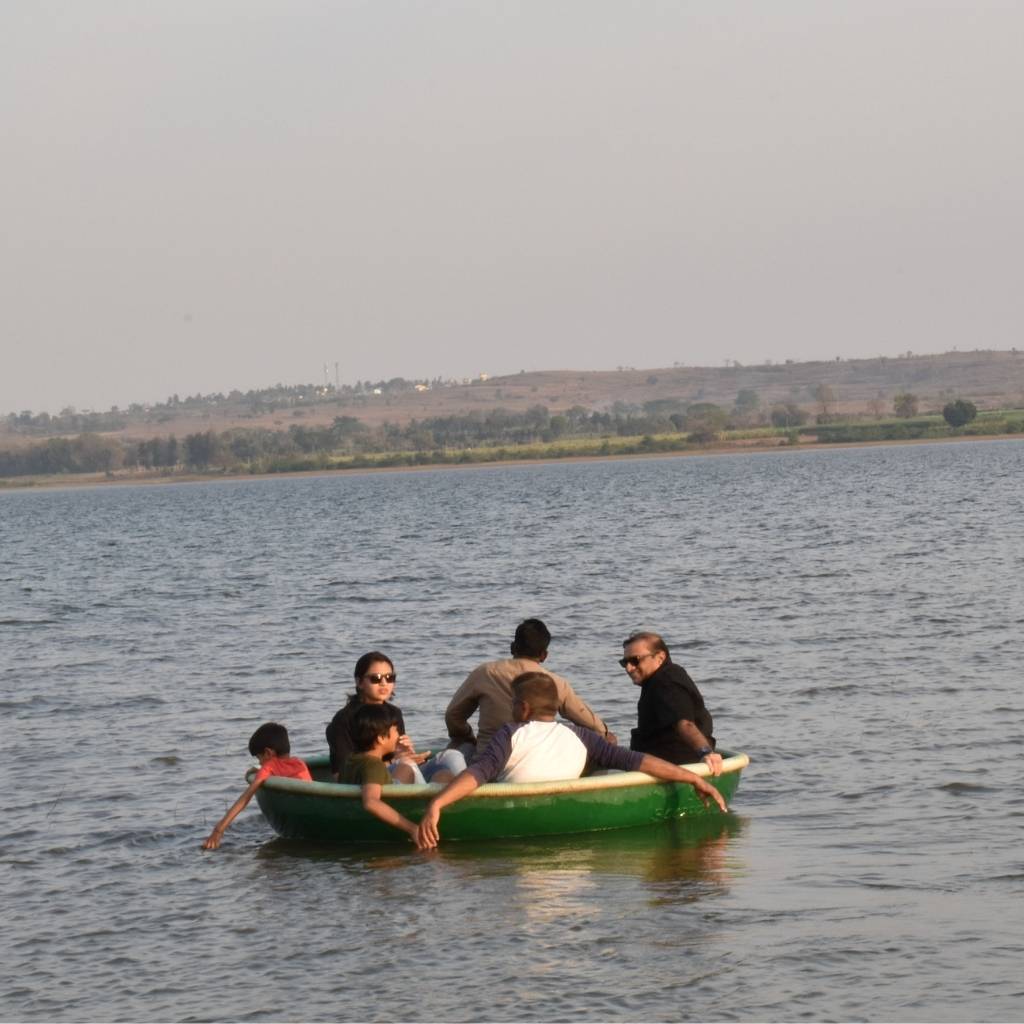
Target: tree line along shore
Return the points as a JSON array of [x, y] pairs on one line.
[[499, 435]]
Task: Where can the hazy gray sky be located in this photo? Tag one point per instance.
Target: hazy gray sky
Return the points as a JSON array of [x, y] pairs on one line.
[[229, 193]]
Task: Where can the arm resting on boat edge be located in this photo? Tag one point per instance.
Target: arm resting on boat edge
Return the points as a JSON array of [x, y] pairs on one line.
[[213, 839], [696, 739], [375, 806], [668, 772], [462, 785]]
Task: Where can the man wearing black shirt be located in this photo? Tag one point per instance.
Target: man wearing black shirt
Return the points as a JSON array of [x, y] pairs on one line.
[[672, 721]]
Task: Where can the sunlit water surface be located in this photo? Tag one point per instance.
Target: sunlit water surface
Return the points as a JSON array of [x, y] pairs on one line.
[[853, 617]]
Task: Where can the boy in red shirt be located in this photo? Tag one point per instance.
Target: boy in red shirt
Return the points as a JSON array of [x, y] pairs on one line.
[[270, 745]]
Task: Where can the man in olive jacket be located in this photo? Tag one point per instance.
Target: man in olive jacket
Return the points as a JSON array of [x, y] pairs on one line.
[[488, 689]]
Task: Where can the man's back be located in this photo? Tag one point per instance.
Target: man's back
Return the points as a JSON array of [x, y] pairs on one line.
[[488, 689]]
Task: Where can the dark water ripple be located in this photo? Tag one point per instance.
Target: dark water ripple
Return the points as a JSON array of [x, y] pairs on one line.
[[852, 616]]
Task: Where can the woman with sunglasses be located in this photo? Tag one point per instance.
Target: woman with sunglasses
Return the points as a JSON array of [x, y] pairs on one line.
[[375, 679]]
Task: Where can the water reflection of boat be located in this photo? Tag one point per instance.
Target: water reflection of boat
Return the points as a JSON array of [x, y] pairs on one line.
[[694, 849], [675, 862], [325, 810]]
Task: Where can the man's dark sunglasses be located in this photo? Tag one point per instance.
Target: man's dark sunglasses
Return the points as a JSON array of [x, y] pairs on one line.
[[634, 659], [381, 677]]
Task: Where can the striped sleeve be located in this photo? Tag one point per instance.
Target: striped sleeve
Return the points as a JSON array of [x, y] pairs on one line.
[[488, 765], [602, 754]]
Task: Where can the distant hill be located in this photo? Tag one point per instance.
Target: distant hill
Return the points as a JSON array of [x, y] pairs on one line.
[[988, 378]]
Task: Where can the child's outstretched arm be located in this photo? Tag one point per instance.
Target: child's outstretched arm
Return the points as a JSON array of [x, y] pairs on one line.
[[373, 803], [214, 838]]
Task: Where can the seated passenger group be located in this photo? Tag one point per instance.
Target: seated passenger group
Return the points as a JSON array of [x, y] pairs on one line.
[[517, 739]]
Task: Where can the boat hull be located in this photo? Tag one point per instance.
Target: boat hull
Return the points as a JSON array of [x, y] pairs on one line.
[[324, 810]]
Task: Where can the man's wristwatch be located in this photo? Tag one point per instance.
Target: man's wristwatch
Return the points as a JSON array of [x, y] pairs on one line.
[[704, 751]]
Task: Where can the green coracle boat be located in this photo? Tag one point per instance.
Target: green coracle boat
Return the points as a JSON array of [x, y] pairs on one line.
[[325, 810]]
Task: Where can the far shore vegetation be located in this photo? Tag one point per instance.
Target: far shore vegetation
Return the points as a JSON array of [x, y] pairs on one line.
[[496, 435]]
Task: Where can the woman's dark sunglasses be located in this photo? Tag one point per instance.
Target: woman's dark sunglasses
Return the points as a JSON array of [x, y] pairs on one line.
[[381, 677]]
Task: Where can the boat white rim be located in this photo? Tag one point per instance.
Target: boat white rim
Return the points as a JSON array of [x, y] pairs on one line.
[[495, 790]]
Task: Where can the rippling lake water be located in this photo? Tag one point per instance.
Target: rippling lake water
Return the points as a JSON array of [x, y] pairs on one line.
[[853, 618]]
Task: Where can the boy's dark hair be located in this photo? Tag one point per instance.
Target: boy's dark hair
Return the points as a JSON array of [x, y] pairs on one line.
[[271, 735], [371, 722], [531, 639]]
